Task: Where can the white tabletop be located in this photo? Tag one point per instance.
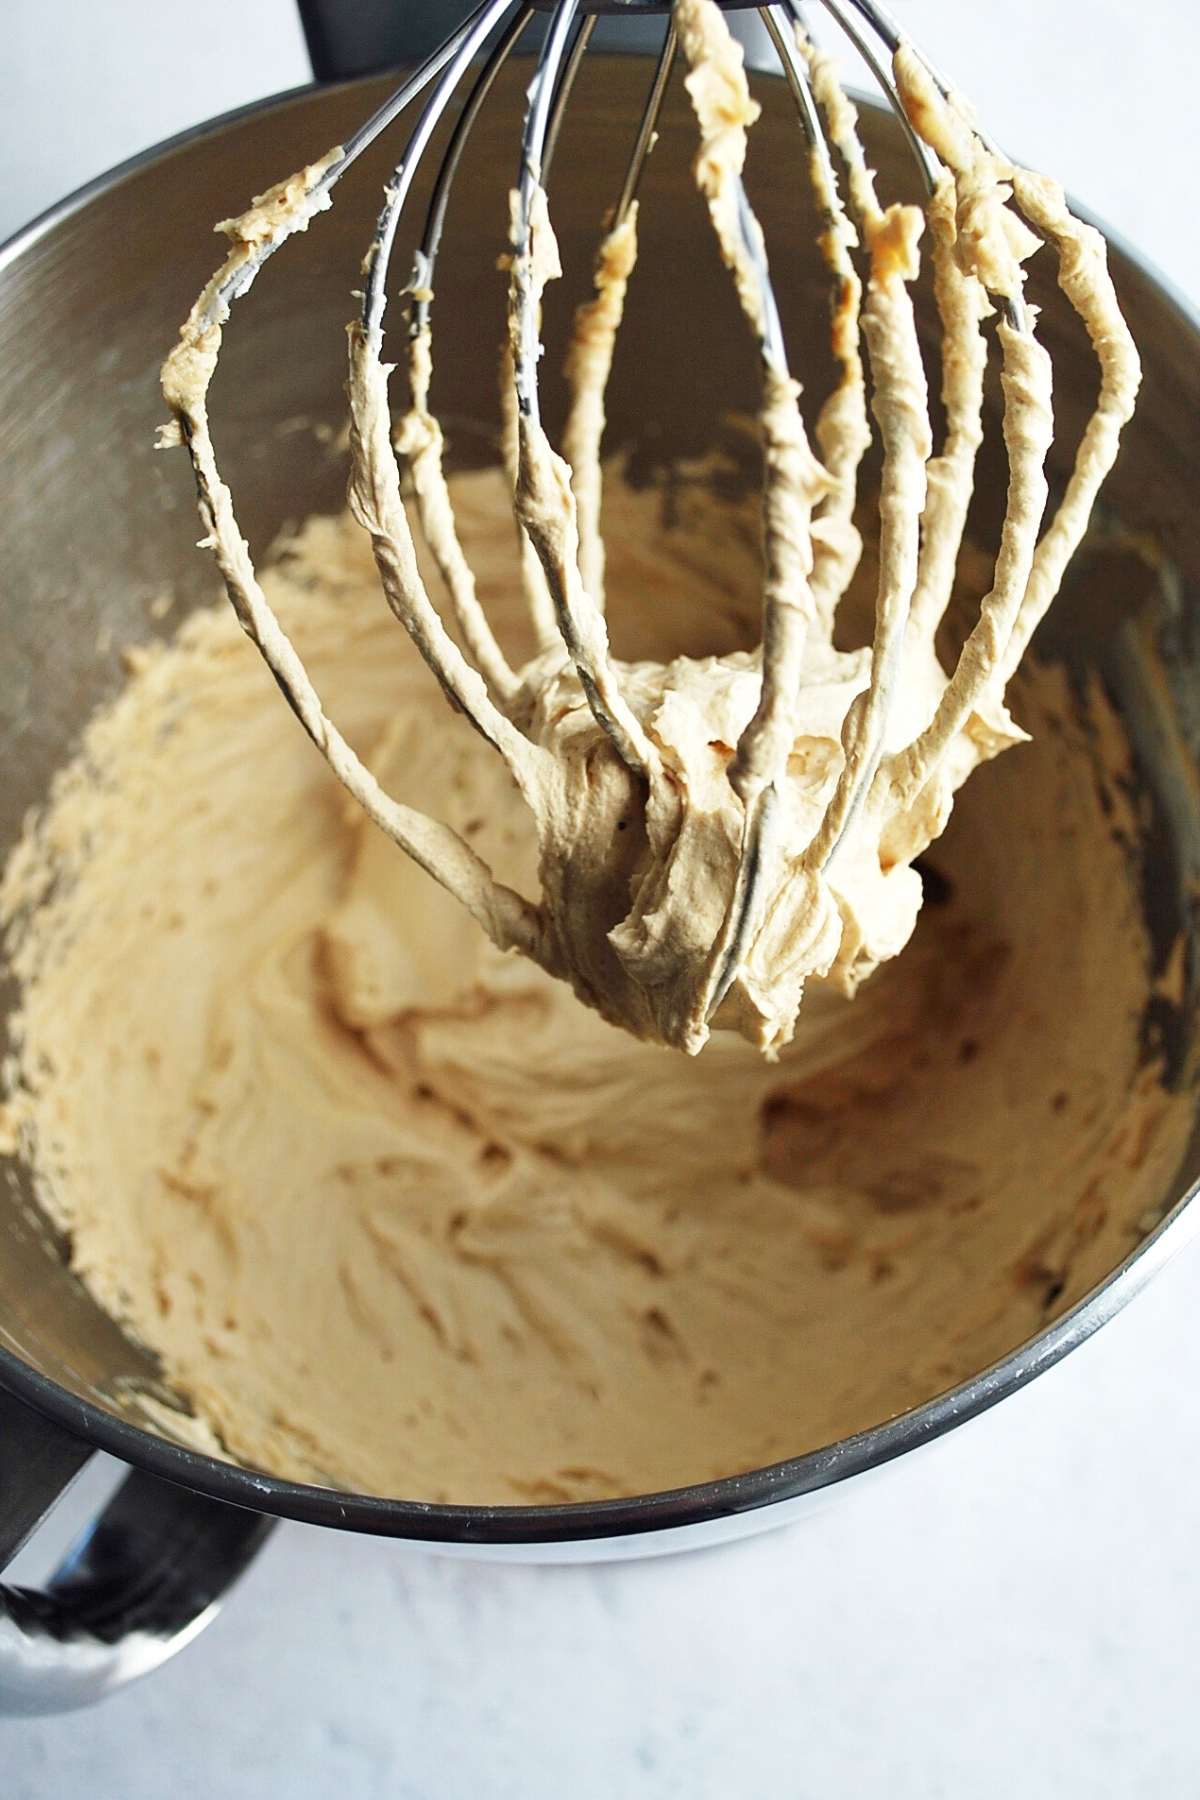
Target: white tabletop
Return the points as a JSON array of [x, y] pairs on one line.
[[1012, 1614]]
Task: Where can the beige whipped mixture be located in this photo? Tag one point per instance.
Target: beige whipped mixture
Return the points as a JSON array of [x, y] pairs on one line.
[[716, 836], [398, 1213], [395, 1211]]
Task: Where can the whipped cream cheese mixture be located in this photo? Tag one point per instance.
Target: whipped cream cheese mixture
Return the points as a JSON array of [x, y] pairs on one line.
[[398, 1213], [394, 1209], [695, 864]]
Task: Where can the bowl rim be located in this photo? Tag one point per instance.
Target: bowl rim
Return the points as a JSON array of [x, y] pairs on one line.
[[698, 1503]]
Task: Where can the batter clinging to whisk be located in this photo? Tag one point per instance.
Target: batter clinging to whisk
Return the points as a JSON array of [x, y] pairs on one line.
[[712, 834]]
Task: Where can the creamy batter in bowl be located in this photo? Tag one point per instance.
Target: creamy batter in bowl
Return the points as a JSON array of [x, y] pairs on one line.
[[399, 1215], [1122, 1043]]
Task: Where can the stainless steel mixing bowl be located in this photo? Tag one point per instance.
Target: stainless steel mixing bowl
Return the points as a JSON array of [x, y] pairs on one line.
[[95, 524]]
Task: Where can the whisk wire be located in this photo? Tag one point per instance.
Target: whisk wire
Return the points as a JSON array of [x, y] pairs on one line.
[[647, 125], [222, 293], [843, 11], [396, 192], [533, 143], [781, 30], [584, 29], [426, 259]]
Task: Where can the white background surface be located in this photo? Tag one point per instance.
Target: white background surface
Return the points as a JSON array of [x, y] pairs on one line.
[[1012, 1614]]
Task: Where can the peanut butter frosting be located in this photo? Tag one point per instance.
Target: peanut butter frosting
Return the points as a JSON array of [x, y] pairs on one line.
[[397, 1213], [748, 869]]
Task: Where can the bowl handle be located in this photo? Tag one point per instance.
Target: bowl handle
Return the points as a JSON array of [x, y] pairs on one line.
[[140, 1583]]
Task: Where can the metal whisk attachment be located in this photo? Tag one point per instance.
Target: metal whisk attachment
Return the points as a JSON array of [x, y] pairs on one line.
[[818, 880]]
